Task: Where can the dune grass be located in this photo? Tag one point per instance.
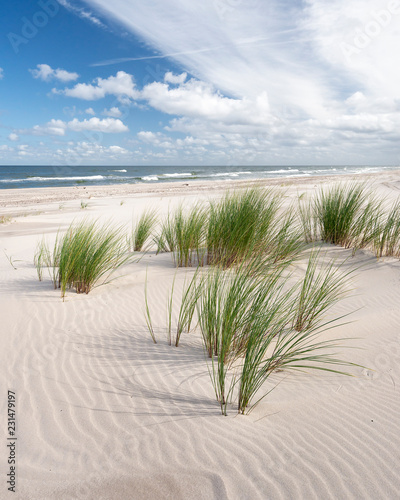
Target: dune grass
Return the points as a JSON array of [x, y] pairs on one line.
[[229, 306], [286, 240], [190, 295], [42, 258], [349, 215], [323, 286], [386, 237], [240, 224], [343, 214], [308, 219], [226, 232], [143, 229], [165, 240], [183, 234], [254, 322], [82, 256]]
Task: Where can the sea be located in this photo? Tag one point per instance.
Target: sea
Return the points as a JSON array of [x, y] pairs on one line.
[[15, 177]]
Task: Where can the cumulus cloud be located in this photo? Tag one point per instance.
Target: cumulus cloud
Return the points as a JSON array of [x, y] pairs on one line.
[[117, 150], [114, 112], [13, 137], [90, 111], [53, 127], [171, 78], [199, 99], [121, 85], [59, 127], [92, 152], [107, 125], [45, 72]]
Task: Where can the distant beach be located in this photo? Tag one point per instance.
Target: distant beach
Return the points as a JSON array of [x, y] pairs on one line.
[[17, 177]]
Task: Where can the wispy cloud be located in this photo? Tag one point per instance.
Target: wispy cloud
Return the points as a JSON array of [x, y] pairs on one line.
[[82, 13]]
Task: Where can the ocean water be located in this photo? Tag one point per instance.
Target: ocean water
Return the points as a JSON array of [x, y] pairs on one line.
[[14, 177]]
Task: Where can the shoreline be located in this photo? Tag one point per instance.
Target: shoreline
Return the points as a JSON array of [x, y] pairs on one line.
[[18, 197]]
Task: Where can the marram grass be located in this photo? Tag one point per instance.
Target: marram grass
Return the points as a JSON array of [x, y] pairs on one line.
[[346, 215], [240, 225], [386, 240], [323, 285], [183, 234], [86, 253], [254, 323], [143, 229]]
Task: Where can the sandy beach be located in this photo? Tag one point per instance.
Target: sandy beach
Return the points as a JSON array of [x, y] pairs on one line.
[[104, 413]]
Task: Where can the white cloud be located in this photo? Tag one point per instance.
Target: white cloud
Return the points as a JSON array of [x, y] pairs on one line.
[[198, 99], [53, 127], [92, 152], [114, 112], [118, 150], [1, 73], [90, 111], [171, 78], [59, 127], [45, 72], [107, 125], [13, 137], [121, 85], [147, 136]]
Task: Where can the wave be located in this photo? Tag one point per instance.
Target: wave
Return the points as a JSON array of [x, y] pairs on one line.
[[282, 171], [230, 174], [122, 170], [150, 178], [186, 174]]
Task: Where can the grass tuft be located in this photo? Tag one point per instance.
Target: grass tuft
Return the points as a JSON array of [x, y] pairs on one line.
[[338, 211], [240, 225], [253, 323], [183, 234], [386, 241], [143, 229], [82, 256]]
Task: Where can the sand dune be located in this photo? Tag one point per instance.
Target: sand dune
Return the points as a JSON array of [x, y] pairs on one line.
[[103, 413]]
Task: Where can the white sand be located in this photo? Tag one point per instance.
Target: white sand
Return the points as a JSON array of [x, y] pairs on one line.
[[103, 413]]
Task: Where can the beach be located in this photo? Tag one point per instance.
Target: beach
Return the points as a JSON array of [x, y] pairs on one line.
[[102, 412]]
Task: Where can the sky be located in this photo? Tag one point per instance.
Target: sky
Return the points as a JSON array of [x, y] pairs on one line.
[[200, 82]]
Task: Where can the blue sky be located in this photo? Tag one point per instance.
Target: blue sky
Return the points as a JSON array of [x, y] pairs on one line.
[[198, 82]]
